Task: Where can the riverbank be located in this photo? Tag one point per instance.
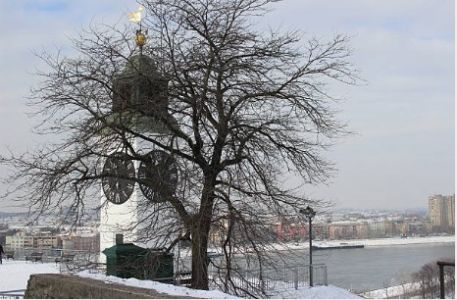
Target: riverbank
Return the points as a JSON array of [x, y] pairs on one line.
[[367, 243], [382, 242]]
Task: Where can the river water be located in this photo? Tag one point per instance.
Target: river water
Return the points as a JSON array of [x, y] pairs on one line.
[[365, 269], [373, 267]]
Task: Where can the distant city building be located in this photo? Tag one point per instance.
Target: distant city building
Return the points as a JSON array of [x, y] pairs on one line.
[[376, 229], [352, 226], [441, 211], [41, 240], [18, 241], [79, 238], [83, 242], [342, 230]]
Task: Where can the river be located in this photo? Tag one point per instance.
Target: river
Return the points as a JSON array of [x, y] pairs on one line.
[[375, 267], [369, 268]]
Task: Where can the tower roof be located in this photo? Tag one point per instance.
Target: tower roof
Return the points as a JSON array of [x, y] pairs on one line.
[[141, 64]]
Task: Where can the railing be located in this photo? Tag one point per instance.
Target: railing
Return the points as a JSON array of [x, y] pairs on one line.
[[50, 254], [12, 294], [285, 277], [69, 261], [270, 279]]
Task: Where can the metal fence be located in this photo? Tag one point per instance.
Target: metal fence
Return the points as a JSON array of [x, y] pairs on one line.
[[282, 278], [272, 278], [50, 254], [69, 261], [12, 294]]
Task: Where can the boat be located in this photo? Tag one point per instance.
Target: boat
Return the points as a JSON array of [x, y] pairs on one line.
[[340, 246]]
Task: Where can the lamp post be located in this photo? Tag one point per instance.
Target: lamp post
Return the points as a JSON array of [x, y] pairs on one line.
[[309, 213]]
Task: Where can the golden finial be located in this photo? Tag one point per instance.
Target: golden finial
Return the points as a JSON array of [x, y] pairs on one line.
[[140, 38]]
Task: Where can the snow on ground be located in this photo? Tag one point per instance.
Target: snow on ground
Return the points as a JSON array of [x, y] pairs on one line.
[[317, 292], [158, 286], [393, 291], [405, 290], [15, 274]]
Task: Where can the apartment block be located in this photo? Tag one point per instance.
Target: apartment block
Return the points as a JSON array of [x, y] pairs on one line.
[[85, 242], [441, 211], [42, 240]]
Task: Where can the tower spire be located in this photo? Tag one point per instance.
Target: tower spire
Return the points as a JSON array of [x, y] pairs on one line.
[[140, 36]]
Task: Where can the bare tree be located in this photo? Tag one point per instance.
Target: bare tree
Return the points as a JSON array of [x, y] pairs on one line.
[[245, 109], [428, 280]]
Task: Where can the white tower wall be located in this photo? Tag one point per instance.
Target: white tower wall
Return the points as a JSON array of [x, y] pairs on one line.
[[123, 218]]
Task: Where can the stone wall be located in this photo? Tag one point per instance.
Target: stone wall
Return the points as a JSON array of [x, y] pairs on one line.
[[47, 286]]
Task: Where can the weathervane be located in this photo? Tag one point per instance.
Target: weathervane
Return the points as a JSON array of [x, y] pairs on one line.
[[140, 37]]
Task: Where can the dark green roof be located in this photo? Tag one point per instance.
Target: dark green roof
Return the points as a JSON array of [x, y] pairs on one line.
[[128, 248]]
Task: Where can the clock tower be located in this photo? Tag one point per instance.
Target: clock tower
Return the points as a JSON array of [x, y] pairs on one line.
[[140, 103]]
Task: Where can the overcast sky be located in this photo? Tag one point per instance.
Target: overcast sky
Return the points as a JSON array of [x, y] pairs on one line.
[[403, 114]]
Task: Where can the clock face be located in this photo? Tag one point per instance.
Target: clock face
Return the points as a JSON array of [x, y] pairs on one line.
[[158, 176], [117, 181]]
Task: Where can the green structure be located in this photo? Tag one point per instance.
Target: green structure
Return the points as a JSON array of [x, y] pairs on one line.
[[129, 260]]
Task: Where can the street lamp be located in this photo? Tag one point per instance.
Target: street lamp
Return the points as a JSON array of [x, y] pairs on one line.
[[309, 213]]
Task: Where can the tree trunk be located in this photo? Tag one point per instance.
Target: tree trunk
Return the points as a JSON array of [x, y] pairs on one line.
[[201, 226], [200, 256]]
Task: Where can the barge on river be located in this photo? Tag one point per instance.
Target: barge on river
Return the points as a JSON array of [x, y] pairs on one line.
[[339, 246]]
